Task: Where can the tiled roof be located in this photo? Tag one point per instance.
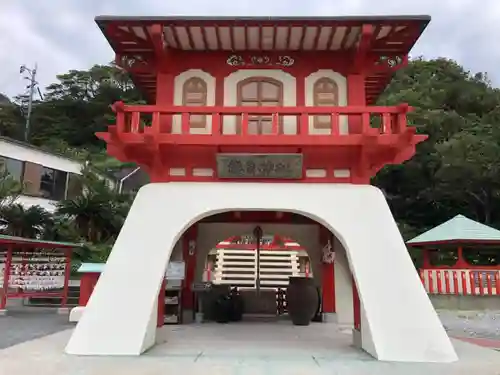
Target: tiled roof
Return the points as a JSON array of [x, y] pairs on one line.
[[459, 228]]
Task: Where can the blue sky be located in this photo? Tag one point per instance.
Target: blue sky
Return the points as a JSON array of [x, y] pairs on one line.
[[61, 34]]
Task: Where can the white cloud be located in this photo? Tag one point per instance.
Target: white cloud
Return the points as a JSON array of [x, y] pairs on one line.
[[61, 35]]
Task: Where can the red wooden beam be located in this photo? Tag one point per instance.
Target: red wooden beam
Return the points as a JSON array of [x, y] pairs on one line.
[[190, 38], [155, 34], [302, 37], [288, 37], [366, 38], [316, 38], [205, 38]]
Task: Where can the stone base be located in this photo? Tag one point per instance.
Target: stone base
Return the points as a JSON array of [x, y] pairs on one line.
[[63, 310], [3, 312], [329, 317], [356, 339], [187, 316], [76, 313]]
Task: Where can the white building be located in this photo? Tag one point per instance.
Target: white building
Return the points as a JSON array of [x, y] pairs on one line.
[[47, 178]]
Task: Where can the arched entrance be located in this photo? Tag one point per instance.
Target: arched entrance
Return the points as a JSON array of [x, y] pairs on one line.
[[358, 217]]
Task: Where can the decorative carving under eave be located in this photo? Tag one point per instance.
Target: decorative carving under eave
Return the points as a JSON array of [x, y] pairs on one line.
[[391, 62], [131, 61], [238, 60]]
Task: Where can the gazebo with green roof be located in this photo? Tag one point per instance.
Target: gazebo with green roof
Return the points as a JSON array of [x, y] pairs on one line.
[[460, 243]]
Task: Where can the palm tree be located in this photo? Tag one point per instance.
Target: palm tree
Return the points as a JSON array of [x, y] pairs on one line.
[[99, 212], [24, 222], [10, 188]]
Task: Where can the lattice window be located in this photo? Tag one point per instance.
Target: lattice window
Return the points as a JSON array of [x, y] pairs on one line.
[[260, 91], [194, 93], [326, 94]]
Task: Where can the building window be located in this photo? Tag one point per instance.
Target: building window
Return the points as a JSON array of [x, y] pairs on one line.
[[53, 183], [326, 94], [260, 91], [194, 93], [13, 167]]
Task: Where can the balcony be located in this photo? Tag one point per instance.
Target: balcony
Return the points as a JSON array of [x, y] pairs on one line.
[[262, 126]]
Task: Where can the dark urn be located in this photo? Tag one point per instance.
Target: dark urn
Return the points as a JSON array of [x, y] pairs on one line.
[[302, 300], [223, 309], [237, 306]]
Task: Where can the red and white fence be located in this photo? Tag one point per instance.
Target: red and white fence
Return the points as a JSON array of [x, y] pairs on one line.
[[461, 282]]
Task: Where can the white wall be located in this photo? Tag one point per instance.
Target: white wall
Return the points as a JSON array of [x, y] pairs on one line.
[[28, 154], [231, 95], [178, 94], [289, 96], [401, 324], [343, 286], [23, 153]]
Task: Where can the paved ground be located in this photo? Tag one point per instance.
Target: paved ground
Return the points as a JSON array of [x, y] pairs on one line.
[[239, 349], [474, 324], [29, 324]]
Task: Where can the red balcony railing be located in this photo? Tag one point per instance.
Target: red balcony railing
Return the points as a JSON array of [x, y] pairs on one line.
[[258, 125]]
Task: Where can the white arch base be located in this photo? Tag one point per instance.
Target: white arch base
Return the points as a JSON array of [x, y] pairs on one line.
[[398, 322]]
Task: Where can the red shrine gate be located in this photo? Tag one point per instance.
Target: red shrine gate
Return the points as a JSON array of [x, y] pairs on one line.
[[239, 107], [299, 90]]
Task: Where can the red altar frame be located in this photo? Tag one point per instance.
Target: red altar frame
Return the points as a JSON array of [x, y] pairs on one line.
[[33, 245]]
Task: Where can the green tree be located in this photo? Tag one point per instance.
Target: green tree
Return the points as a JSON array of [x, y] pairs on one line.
[[24, 222], [99, 212], [454, 171]]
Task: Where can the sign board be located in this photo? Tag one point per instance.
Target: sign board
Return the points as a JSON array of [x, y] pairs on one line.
[[175, 271], [272, 166]]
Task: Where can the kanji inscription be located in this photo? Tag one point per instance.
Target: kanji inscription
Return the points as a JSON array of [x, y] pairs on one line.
[[272, 166]]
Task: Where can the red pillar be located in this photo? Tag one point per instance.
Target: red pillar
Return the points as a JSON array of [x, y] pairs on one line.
[[67, 272], [161, 305], [6, 277], [87, 285], [356, 306], [461, 262], [189, 256], [328, 275], [425, 259]]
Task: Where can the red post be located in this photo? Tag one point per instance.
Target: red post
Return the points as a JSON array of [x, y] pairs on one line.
[[455, 282], [481, 282], [161, 305], [189, 255], [327, 275], [425, 258], [431, 282], [67, 273], [447, 282], [461, 261], [489, 283], [439, 282], [356, 306], [6, 277], [472, 284], [497, 282], [464, 283]]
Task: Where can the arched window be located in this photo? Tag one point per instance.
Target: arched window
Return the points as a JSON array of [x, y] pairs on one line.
[[194, 93], [326, 94], [260, 91]]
